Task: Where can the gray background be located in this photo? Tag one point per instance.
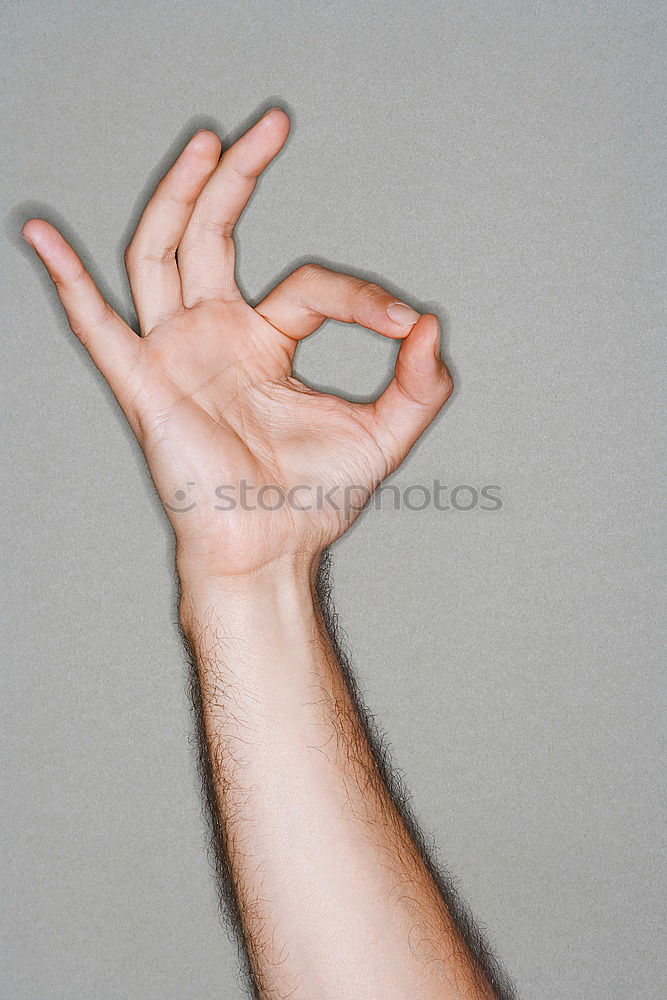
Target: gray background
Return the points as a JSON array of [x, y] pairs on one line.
[[498, 163]]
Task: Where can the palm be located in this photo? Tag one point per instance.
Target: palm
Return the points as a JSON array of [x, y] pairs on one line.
[[208, 387], [218, 405]]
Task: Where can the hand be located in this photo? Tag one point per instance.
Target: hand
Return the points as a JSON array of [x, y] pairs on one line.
[[208, 387]]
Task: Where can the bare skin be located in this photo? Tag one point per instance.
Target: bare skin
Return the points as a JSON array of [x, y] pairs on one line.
[[334, 898]]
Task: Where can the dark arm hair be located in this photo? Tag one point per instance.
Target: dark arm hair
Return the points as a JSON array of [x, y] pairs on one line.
[[443, 880]]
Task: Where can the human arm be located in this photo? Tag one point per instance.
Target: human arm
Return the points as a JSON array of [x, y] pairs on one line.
[[328, 885], [333, 894]]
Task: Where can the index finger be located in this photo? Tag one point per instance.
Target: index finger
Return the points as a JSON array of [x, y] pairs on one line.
[[312, 294]]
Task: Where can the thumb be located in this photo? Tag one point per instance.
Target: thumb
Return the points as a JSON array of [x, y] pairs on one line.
[[420, 387]]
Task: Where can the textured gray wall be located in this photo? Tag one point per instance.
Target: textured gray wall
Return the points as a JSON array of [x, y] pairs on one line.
[[497, 162]]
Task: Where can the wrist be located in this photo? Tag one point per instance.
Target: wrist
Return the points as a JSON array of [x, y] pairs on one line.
[[279, 588]]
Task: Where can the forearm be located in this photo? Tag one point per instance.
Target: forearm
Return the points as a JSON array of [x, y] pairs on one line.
[[331, 890]]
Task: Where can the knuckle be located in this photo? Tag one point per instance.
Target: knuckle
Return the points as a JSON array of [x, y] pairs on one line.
[[138, 255], [81, 332], [368, 291], [221, 228], [308, 272], [78, 277], [446, 383]]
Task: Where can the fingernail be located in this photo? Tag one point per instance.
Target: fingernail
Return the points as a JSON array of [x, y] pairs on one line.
[[267, 114], [200, 138], [402, 314]]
